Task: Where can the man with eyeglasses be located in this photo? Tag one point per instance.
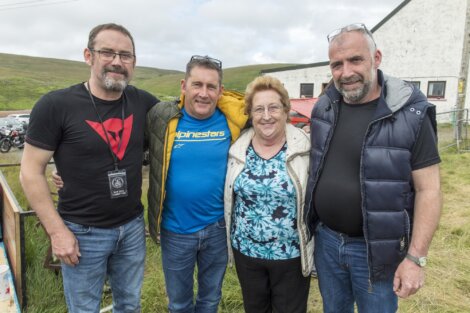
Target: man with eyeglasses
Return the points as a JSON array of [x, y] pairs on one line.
[[373, 198], [189, 144], [95, 133]]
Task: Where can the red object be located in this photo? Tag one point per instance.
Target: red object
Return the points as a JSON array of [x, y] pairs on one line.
[[301, 109]]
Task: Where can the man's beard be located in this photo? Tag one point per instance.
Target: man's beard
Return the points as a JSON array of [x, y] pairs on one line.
[[358, 94], [112, 84]]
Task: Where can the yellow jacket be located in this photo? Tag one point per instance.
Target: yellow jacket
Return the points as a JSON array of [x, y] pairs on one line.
[[162, 121]]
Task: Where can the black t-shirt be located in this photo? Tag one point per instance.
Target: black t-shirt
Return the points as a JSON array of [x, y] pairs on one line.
[[65, 122], [337, 196]]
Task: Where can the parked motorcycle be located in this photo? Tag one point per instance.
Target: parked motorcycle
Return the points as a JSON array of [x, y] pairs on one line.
[[11, 138]]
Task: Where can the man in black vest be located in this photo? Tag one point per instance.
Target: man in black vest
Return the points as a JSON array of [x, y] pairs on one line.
[[373, 199]]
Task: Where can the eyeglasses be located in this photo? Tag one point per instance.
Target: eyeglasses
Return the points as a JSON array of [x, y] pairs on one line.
[[108, 56], [272, 109], [348, 28], [218, 63]]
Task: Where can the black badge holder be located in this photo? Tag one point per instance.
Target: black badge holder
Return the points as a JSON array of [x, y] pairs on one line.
[[117, 178]]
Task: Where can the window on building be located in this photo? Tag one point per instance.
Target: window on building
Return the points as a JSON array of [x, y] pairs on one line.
[[306, 90], [436, 89], [415, 83]]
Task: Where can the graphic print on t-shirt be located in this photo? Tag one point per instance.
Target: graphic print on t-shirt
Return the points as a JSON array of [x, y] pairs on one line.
[[199, 154], [113, 127]]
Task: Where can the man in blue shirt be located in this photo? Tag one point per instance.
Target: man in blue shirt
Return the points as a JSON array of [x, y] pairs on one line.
[[186, 195]]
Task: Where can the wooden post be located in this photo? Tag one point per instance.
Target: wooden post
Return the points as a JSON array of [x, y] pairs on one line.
[[12, 218]]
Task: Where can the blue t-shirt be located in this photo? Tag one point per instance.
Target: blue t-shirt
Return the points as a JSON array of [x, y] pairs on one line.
[[265, 217], [196, 176]]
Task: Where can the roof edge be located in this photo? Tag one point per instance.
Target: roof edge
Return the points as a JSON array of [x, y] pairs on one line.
[[390, 15], [293, 67]]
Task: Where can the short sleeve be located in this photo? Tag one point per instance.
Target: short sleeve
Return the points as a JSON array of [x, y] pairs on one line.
[[44, 129], [425, 152], [149, 99]]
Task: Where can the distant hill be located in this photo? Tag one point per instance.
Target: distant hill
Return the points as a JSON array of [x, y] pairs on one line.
[[24, 79]]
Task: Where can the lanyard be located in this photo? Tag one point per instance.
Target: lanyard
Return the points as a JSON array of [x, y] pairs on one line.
[[104, 130]]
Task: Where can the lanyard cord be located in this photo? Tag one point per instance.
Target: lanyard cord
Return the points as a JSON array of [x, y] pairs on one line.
[[104, 130]]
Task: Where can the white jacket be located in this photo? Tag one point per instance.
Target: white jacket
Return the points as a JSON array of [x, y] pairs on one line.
[[297, 156]]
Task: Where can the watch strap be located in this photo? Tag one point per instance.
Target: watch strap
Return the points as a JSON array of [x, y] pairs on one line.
[[421, 261]]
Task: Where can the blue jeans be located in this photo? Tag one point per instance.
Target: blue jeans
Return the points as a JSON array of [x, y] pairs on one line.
[[180, 253], [343, 275], [114, 253]]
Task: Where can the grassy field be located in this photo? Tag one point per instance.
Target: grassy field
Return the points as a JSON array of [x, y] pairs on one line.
[[23, 79], [447, 286]]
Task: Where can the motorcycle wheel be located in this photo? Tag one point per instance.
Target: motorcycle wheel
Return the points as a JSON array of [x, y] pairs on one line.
[[5, 145]]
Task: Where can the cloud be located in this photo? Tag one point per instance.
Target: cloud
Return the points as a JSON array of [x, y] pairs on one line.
[[167, 33]]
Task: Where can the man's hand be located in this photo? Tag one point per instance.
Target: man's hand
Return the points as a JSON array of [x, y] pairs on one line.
[[65, 247], [409, 278], [57, 180]]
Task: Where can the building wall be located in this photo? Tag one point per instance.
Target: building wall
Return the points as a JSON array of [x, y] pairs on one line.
[[421, 42], [292, 79], [424, 42]]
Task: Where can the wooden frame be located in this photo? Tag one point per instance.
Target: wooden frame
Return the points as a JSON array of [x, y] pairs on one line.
[[430, 93], [304, 86], [415, 83], [12, 222]]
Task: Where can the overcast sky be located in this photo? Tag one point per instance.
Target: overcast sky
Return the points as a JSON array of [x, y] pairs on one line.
[[168, 32]]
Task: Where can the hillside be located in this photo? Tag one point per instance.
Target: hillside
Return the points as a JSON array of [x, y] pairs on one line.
[[24, 79]]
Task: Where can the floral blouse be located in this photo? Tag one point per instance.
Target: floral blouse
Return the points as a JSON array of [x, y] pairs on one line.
[[265, 216]]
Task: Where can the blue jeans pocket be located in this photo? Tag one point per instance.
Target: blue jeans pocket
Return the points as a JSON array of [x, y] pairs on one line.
[[221, 223], [77, 229], [140, 216]]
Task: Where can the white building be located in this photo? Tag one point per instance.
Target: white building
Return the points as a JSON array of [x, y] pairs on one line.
[[426, 42]]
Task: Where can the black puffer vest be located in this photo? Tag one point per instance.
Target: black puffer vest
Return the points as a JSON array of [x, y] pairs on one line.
[[385, 171]]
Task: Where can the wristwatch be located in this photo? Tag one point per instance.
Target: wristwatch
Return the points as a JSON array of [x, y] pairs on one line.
[[421, 261]]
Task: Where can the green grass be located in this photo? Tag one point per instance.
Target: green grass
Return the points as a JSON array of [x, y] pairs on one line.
[[23, 79], [447, 287], [237, 78]]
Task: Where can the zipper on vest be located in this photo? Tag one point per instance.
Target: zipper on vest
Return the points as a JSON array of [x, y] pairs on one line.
[[402, 243], [361, 180]]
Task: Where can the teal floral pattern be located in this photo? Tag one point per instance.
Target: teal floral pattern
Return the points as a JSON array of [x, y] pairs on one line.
[[264, 216]]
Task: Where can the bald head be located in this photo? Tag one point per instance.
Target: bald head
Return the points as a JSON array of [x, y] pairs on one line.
[[354, 61], [366, 39]]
